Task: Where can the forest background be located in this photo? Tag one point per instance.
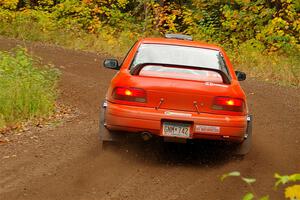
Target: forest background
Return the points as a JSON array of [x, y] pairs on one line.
[[261, 37]]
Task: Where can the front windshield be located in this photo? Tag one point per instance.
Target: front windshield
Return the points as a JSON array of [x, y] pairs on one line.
[[179, 55]]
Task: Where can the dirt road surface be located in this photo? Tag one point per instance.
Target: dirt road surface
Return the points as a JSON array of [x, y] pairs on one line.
[[65, 162]]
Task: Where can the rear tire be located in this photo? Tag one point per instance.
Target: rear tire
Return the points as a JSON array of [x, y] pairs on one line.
[[243, 148]]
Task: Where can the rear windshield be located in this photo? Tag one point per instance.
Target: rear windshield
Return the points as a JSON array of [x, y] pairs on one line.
[[181, 73], [179, 55]]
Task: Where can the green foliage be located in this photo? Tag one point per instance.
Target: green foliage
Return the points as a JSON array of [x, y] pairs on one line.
[[249, 180], [291, 192], [278, 67], [9, 4], [261, 36], [273, 23], [276, 24], [248, 196], [230, 174], [281, 180], [26, 90], [238, 174]]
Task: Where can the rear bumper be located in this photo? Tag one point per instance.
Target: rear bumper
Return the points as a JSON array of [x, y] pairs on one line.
[[143, 119]]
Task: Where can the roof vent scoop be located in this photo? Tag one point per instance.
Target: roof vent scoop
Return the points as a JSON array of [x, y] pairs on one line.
[[179, 37]]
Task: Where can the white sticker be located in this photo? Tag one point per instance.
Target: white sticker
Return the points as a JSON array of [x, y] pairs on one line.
[[178, 114], [207, 129], [215, 84]]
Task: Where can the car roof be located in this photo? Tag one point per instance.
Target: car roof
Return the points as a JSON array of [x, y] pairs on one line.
[[180, 42]]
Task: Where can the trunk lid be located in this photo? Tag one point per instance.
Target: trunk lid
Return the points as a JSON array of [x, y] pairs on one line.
[[177, 94]]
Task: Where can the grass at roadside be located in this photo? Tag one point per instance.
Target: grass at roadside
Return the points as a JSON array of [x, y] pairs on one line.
[[276, 67], [34, 25], [280, 68], [27, 89]]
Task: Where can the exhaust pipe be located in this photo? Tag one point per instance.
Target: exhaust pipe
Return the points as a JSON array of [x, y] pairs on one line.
[[146, 136]]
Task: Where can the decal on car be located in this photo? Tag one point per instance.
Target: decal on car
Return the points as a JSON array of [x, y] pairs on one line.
[[207, 129], [178, 114], [215, 84]]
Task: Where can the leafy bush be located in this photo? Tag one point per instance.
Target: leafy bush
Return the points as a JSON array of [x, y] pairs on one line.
[[27, 90], [276, 23], [261, 36], [275, 67], [292, 192]]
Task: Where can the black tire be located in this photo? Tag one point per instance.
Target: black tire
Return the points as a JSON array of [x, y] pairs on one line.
[[244, 148]]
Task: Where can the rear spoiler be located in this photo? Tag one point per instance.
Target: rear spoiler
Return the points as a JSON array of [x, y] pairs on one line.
[[136, 70]]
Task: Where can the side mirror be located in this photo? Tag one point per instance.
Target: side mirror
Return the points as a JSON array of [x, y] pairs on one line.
[[241, 76], [111, 64]]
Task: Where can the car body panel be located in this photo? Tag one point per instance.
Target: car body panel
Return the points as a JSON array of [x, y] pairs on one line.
[[141, 119], [201, 92]]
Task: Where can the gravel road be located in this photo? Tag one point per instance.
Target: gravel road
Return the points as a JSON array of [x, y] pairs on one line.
[[65, 162]]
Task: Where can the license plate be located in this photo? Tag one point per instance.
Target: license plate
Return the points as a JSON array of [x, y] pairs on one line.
[[175, 129]]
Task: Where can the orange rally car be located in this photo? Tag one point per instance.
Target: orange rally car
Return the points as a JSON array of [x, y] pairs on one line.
[[178, 89]]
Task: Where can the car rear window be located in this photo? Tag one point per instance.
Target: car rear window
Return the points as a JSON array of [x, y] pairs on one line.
[[179, 55], [181, 73]]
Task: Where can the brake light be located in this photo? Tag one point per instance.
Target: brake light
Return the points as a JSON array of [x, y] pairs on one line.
[[129, 94], [229, 104]]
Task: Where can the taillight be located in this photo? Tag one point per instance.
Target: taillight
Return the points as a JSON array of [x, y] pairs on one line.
[[129, 94], [229, 104]]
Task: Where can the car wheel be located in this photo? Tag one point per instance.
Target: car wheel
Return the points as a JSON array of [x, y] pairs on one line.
[[107, 137], [244, 147]]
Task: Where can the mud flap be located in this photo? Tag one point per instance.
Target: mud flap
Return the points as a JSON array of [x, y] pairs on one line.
[[244, 147], [105, 134]]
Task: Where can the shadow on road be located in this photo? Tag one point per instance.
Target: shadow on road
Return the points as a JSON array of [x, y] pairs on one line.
[[201, 153]]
